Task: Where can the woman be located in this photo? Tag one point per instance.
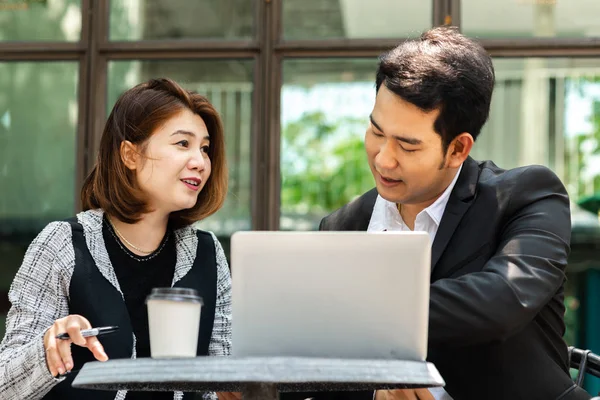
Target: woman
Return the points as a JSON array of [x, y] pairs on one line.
[[161, 167]]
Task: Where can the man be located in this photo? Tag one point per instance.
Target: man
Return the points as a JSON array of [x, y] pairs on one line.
[[500, 238]]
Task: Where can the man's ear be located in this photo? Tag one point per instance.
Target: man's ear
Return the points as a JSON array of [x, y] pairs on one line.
[[129, 154], [459, 149]]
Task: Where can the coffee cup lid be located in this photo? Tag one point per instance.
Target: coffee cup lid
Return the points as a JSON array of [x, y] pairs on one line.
[[175, 294]]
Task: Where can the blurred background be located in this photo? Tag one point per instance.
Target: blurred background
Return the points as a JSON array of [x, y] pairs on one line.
[[294, 82]]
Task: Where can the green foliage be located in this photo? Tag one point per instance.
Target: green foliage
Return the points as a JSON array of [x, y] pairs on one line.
[[596, 122], [571, 319], [323, 163], [585, 145]]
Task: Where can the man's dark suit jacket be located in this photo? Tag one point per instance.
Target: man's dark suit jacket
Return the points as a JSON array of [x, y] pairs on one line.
[[496, 297]]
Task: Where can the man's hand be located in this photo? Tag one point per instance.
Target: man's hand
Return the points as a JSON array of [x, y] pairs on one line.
[[229, 396], [404, 394]]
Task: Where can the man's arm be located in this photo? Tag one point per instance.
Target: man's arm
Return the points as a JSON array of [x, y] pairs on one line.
[[519, 280]]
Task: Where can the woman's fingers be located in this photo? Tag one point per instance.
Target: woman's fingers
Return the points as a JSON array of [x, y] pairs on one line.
[[58, 351], [96, 348], [53, 358], [74, 325], [64, 351]]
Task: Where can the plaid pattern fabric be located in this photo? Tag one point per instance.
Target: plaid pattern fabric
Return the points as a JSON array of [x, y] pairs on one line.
[[40, 291]]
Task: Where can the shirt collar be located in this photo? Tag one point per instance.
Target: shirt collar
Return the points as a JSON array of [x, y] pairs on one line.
[[385, 214], [436, 210]]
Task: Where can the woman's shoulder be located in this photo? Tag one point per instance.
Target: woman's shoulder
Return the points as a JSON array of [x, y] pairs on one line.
[[91, 219], [52, 246], [58, 235], [194, 236], [192, 231], [54, 235], [211, 239]]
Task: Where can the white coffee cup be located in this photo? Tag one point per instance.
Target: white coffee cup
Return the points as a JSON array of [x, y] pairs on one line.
[[174, 322]]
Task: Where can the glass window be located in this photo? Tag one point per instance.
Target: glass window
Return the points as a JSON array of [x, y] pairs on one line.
[[38, 124], [544, 111], [320, 19], [530, 18], [547, 111], [40, 20], [228, 85], [181, 19], [325, 106]]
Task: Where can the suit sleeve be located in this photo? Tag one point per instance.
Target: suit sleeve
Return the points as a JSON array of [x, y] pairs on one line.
[[524, 274], [323, 225]]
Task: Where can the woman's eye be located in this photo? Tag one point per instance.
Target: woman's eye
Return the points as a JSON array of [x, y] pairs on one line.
[[204, 149], [183, 143]]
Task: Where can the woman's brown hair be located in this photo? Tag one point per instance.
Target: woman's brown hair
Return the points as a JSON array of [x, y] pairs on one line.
[[136, 115]]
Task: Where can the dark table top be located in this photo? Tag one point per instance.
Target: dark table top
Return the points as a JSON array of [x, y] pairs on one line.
[[235, 374]]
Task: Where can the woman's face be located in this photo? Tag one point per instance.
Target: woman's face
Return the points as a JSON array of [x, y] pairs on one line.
[[175, 165]]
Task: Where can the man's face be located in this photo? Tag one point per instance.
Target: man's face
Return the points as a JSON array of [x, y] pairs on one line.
[[404, 152]]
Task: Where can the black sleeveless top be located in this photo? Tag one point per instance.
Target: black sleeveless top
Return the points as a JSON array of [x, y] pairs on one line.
[[137, 275], [95, 298]]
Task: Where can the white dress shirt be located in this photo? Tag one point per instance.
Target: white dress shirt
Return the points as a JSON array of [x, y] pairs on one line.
[[386, 217]]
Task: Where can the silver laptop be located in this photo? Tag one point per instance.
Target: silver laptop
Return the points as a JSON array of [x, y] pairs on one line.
[[330, 294]]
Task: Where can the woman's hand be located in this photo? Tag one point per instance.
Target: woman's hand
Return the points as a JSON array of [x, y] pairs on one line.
[[58, 351]]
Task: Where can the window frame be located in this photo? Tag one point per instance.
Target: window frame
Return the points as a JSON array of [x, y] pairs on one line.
[[267, 48]]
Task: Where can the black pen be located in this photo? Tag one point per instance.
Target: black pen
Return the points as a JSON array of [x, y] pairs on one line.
[[91, 332]]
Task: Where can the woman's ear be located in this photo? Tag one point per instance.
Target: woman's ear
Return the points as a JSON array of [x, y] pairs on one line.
[[129, 154]]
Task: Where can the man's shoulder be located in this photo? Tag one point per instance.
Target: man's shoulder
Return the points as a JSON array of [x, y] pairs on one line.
[[352, 216], [539, 175], [517, 185]]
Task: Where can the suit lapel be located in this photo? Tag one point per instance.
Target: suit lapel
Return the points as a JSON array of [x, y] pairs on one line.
[[354, 216], [459, 202], [366, 210]]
